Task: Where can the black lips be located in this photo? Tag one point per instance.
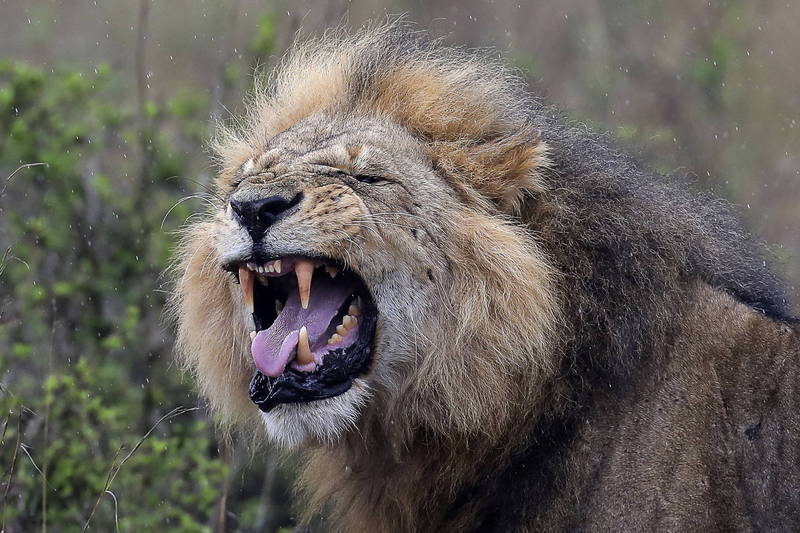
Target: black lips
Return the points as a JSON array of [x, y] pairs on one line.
[[334, 377]]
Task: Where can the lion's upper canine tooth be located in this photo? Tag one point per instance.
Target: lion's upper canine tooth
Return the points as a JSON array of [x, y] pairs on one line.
[[304, 355], [331, 270], [246, 281], [304, 270]]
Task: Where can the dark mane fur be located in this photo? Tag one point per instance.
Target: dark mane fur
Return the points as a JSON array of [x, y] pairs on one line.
[[632, 243]]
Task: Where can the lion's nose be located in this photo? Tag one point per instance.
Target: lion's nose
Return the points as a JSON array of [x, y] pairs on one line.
[[258, 215]]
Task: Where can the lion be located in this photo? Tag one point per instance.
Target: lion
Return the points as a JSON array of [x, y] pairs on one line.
[[467, 313]]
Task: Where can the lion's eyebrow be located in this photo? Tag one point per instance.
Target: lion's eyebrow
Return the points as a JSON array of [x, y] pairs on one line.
[[340, 157], [354, 150]]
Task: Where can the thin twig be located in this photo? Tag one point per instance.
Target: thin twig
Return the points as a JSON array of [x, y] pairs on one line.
[[24, 448], [11, 472], [45, 462], [26, 165], [5, 426], [115, 468], [116, 510]]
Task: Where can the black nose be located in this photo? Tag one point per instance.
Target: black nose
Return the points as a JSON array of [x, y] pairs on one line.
[[258, 215]]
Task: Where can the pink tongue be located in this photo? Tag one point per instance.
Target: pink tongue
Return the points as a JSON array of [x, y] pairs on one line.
[[274, 347]]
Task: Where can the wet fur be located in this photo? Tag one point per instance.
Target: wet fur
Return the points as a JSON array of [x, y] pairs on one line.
[[596, 347]]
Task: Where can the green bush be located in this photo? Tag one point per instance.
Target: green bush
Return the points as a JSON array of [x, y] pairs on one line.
[[86, 366]]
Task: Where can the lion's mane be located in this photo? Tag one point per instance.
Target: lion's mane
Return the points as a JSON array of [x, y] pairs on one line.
[[570, 263]]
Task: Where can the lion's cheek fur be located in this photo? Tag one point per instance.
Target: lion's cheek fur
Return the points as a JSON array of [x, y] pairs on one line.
[[211, 331], [480, 351]]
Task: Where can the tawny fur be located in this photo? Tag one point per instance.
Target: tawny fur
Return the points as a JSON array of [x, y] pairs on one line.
[[539, 274]]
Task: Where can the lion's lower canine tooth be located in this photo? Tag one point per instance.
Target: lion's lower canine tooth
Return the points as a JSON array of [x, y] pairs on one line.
[[348, 321], [304, 355], [304, 270], [246, 281]]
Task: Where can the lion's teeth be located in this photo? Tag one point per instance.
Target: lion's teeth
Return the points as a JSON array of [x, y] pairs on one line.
[[304, 355], [278, 306], [331, 270], [277, 266], [341, 330], [349, 322], [246, 281], [252, 335], [269, 267], [335, 339], [252, 266], [304, 270]]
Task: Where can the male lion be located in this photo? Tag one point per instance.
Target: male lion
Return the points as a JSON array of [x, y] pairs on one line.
[[471, 314]]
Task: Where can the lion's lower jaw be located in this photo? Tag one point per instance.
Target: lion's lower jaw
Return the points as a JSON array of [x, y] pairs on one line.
[[325, 421]]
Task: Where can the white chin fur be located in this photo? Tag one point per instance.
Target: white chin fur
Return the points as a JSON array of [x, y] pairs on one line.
[[291, 424]]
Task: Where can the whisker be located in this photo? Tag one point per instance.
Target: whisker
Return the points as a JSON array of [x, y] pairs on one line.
[[400, 214], [384, 223], [184, 199]]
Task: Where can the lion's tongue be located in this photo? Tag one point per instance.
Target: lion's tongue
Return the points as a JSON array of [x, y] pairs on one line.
[[274, 347]]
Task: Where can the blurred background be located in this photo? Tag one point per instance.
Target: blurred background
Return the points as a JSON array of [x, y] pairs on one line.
[[105, 109]]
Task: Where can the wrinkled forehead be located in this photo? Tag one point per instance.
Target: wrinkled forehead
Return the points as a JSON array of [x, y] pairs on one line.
[[344, 142]]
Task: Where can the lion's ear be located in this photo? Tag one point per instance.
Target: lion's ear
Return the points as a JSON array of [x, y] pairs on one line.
[[501, 170]]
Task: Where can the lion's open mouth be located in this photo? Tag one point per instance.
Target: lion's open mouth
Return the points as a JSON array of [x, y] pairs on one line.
[[315, 324]]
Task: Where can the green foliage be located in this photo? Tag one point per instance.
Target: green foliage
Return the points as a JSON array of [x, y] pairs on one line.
[[86, 368], [263, 43]]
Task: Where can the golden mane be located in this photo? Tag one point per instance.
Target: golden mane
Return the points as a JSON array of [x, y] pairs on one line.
[[470, 112], [470, 116]]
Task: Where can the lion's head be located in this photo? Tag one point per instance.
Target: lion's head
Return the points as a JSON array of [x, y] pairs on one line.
[[366, 258]]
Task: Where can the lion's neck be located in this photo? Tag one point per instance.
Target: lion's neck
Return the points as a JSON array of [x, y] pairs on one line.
[[372, 486]]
